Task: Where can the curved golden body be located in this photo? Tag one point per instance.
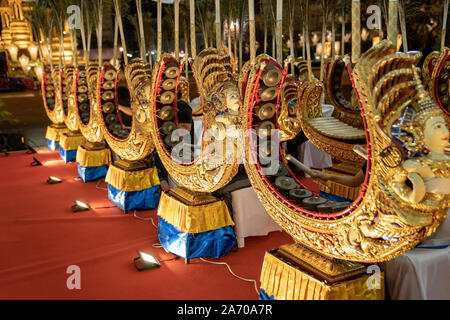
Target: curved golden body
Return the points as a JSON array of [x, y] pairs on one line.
[[197, 175], [138, 144], [437, 65], [379, 225], [92, 130], [334, 68], [51, 89], [71, 118]]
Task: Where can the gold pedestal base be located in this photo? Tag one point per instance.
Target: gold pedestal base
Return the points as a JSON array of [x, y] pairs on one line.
[[294, 272], [71, 140], [193, 213], [54, 131], [93, 155], [92, 146]]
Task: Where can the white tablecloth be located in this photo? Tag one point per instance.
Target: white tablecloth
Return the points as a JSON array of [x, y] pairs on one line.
[[422, 274], [250, 217], [312, 156]]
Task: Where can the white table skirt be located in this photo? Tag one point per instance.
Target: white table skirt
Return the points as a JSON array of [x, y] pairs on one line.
[[422, 274], [250, 217]]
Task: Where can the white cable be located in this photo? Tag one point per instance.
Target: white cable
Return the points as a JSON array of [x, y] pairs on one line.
[[99, 187], [145, 219], [231, 271]]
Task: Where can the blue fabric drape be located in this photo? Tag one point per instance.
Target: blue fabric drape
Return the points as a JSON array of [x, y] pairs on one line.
[[210, 244], [147, 199], [333, 197], [264, 296], [68, 155], [88, 174], [52, 145]]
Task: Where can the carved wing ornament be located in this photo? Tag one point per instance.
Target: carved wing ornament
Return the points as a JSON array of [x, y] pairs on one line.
[[380, 224], [129, 143]]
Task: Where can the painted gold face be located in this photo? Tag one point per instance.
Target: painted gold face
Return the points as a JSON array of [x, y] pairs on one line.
[[232, 99], [436, 134]]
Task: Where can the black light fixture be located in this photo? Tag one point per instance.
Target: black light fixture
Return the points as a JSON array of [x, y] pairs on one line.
[[146, 261], [35, 162], [80, 206], [30, 150], [53, 180]]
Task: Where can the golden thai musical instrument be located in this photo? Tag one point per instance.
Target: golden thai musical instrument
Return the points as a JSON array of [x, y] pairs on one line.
[[129, 143], [213, 76], [89, 120], [380, 225]]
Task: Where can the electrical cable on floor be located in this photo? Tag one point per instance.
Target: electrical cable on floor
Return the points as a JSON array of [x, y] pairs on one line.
[[145, 219], [231, 271], [100, 187], [105, 207]]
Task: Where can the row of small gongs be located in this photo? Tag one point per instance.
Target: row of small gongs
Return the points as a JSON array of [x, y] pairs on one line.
[[108, 105], [289, 189], [49, 88], [165, 103], [265, 111], [82, 96]]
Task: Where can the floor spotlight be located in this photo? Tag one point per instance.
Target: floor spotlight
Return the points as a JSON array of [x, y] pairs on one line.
[[80, 206], [36, 162], [146, 261], [53, 180], [31, 150]]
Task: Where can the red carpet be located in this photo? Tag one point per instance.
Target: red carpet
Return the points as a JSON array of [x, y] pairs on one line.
[[40, 237]]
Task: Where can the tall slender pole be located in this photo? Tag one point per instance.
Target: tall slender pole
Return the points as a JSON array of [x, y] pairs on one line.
[[176, 5], [291, 35], [122, 35], [356, 30], [159, 23], [444, 25], [251, 18], [393, 21], [343, 32], [116, 40], [324, 34], [100, 31], [401, 12], [218, 26], [279, 39], [192, 27], [333, 31], [141, 29], [308, 48]]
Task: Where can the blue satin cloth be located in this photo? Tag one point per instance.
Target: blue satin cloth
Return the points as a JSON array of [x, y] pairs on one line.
[[88, 174], [68, 155], [147, 199], [209, 244], [333, 197], [264, 296], [52, 145]]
